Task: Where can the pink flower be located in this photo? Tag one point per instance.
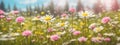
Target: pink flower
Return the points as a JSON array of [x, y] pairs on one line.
[[2, 16], [1, 12], [54, 37], [97, 39], [15, 12], [107, 39], [20, 19], [92, 26], [72, 10], [61, 28], [64, 15], [105, 20], [82, 39], [76, 32], [50, 30], [26, 33], [8, 19]]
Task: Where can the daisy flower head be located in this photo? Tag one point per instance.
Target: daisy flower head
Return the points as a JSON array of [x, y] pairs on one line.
[[109, 34], [86, 14], [62, 24], [47, 18], [98, 29]]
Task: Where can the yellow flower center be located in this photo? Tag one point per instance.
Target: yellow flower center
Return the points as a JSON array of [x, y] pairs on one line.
[[47, 18], [62, 24], [85, 14]]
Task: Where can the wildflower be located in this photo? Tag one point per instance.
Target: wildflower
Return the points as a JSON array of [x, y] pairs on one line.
[[61, 33], [14, 34], [26, 33], [8, 19], [54, 37], [82, 39], [2, 16], [92, 26], [98, 29], [20, 19], [50, 29], [63, 24], [107, 39], [97, 39], [86, 14], [8, 38], [105, 20], [2, 12], [72, 10], [109, 34], [76, 32], [47, 18]]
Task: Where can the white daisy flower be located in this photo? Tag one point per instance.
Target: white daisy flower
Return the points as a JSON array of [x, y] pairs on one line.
[[109, 34], [61, 33], [47, 18], [98, 29], [86, 14], [62, 24], [14, 34]]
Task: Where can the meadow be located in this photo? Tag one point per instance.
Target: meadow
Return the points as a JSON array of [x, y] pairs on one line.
[[73, 28]]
